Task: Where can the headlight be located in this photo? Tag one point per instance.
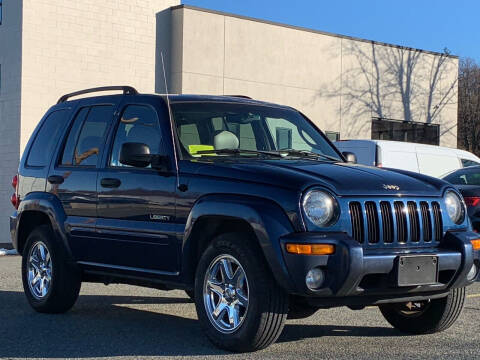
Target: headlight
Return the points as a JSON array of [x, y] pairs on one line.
[[321, 208], [455, 208]]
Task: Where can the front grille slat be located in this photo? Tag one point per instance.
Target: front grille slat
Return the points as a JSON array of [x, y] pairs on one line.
[[357, 221], [372, 222], [414, 221], [426, 221], [387, 221], [376, 223], [437, 222], [401, 222]]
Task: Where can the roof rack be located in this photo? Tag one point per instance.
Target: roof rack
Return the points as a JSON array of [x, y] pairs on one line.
[[239, 96], [127, 90]]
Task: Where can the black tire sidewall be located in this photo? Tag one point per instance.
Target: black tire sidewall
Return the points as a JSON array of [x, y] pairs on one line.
[[65, 284], [36, 236], [258, 277], [440, 315]]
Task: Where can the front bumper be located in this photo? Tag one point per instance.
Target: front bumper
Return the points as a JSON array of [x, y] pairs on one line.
[[358, 275]]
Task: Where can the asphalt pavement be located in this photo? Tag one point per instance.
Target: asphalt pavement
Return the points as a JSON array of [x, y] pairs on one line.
[[119, 321]]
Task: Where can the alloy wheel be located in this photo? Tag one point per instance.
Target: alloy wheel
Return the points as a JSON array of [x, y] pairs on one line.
[[39, 270], [226, 293]]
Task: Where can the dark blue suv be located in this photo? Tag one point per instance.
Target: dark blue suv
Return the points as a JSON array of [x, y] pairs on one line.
[[246, 205]]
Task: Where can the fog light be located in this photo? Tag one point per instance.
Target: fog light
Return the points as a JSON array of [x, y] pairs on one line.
[[472, 274], [315, 278]]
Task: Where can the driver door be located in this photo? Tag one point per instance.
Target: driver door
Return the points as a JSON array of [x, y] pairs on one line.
[[136, 206]]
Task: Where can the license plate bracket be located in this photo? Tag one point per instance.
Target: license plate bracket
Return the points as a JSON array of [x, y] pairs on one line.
[[416, 270]]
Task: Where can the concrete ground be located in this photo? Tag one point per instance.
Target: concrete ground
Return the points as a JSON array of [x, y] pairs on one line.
[[119, 321]]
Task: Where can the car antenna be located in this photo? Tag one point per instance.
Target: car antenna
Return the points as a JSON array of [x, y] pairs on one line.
[[171, 122]]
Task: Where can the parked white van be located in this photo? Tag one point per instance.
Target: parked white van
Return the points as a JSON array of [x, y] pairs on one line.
[[425, 159]]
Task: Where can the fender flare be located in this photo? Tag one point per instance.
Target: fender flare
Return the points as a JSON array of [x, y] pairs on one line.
[[266, 218], [49, 205]]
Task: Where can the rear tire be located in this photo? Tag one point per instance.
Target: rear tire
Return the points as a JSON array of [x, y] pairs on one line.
[[50, 282], [261, 304], [437, 315]]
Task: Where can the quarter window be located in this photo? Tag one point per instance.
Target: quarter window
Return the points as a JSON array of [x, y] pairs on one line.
[[46, 139], [138, 124]]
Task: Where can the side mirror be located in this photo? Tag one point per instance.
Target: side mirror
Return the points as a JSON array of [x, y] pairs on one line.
[[138, 155], [135, 154], [350, 157]]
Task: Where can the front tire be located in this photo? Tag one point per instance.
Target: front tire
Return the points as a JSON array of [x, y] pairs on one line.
[[51, 284], [425, 317], [238, 302]]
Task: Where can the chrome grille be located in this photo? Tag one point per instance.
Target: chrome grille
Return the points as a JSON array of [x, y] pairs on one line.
[[396, 222]]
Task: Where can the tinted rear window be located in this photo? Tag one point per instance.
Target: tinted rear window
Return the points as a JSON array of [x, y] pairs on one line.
[[44, 144]]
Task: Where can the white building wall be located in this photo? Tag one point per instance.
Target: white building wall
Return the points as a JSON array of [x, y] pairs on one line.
[[10, 90], [339, 82], [71, 45], [63, 46]]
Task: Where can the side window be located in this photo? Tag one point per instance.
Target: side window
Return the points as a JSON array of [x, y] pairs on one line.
[[67, 157], [87, 136], [46, 139], [138, 124]]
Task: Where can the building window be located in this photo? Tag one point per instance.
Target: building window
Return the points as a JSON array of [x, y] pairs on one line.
[[408, 131], [332, 135], [1, 11]]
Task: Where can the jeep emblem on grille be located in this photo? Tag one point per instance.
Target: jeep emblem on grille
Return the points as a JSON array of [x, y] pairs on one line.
[[391, 187]]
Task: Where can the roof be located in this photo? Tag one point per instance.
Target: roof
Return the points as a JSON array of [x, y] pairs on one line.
[[173, 98], [247, 18], [176, 98]]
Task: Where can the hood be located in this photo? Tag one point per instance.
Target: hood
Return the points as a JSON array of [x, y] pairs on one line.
[[342, 178]]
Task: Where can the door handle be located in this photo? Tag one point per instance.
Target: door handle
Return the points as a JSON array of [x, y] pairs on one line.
[[110, 183], [55, 179]]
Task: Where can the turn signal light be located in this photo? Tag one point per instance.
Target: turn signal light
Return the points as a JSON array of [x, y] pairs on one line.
[[311, 249], [475, 244]]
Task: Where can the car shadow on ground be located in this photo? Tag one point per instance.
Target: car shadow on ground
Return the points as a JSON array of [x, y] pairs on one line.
[[106, 326]]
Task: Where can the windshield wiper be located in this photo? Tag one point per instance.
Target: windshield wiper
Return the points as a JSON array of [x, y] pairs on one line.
[[238, 152], [307, 153]]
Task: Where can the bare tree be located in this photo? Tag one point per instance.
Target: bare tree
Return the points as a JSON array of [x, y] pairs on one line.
[[382, 76], [437, 73], [401, 64], [469, 106]]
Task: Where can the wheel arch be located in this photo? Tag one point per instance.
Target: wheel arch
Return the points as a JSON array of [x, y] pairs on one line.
[[263, 220], [38, 209]]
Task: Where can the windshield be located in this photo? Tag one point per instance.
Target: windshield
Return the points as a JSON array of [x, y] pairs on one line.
[[215, 129]]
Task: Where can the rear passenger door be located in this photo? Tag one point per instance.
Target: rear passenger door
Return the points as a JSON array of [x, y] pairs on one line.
[[73, 176], [136, 206]]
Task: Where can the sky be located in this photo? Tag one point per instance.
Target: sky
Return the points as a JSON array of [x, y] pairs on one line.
[[424, 24]]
